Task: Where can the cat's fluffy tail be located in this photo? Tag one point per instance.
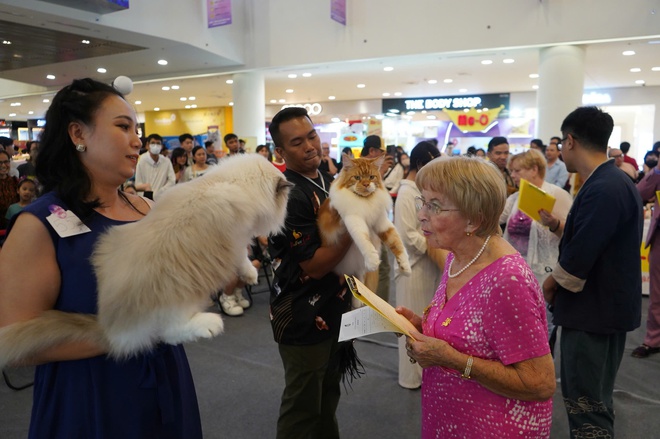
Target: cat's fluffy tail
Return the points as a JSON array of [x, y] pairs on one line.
[[21, 341]]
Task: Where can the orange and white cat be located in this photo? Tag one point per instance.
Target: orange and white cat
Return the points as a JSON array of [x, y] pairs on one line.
[[359, 203]]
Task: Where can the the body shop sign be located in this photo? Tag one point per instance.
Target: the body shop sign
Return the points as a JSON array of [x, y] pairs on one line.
[[439, 103]]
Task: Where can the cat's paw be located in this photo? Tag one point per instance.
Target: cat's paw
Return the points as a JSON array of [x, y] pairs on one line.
[[250, 275], [372, 261], [206, 325], [404, 267]]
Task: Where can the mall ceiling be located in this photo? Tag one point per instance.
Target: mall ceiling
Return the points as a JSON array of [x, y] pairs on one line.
[[69, 52]]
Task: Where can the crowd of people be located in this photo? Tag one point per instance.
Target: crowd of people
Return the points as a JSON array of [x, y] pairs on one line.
[[492, 284]]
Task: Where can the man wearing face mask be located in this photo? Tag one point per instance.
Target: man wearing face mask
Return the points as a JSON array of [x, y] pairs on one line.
[[154, 174]]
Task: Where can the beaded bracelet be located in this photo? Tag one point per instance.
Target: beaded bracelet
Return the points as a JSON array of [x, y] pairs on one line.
[[468, 368]]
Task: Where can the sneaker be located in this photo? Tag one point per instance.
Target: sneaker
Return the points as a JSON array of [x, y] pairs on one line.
[[229, 305], [644, 351], [240, 300]]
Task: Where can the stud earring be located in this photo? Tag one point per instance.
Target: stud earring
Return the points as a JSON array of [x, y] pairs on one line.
[[468, 233], [80, 147]]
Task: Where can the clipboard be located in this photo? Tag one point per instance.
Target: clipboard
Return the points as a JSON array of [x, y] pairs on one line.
[[532, 199]]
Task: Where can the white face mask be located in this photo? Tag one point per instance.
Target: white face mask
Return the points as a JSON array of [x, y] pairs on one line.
[[155, 148], [405, 162]]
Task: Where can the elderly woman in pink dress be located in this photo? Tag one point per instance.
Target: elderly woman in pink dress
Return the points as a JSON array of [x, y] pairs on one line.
[[482, 341]]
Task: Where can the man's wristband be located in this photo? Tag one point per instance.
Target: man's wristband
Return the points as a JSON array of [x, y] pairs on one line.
[[557, 227]]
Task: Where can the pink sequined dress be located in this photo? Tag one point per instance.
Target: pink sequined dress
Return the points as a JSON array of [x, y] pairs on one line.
[[498, 315]]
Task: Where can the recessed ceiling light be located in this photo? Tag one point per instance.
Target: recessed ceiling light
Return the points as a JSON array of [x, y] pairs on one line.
[[156, 109], [361, 86], [138, 102], [85, 41], [432, 81], [50, 76], [486, 62], [101, 70], [175, 87], [15, 104], [535, 87], [533, 75], [165, 88], [397, 93], [187, 107], [45, 101], [423, 111], [430, 116], [640, 82], [183, 99], [335, 120], [292, 75], [508, 61], [655, 69], [191, 98], [306, 75], [162, 62], [229, 81], [281, 101], [462, 90], [635, 70], [448, 81], [195, 105], [12, 114], [393, 110], [231, 104], [30, 112], [628, 53], [388, 68], [410, 113], [7, 42], [273, 101], [386, 94], [289, 90], [332, 98]]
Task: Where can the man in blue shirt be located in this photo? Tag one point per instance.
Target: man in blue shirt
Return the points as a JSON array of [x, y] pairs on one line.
[[596, 285], [556, 172]]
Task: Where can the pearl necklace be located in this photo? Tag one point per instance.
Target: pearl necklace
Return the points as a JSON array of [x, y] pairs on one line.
[[483, 247]]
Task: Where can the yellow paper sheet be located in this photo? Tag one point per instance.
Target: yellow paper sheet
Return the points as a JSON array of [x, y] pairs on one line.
[[532, 199], [386, 310], [657, 195]]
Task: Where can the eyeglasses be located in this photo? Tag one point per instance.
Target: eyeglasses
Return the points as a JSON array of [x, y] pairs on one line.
[[616, 156], [4, 162], [432, 208]]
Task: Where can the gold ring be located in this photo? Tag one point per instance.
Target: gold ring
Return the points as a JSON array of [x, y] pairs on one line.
[[412, 360]]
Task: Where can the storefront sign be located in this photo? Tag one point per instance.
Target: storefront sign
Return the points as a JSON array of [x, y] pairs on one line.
[[338, 11], [437, 103], [473, 119], [312, 109], [219, 12]]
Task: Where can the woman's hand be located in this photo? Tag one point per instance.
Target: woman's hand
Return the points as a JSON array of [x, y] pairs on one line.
[[411, 316], [429, 351]]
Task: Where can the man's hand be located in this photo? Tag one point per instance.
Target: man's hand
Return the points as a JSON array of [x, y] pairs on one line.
[[550, 286], [387, 164]]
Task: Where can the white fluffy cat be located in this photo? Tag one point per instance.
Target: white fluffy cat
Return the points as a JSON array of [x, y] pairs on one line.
[[155, 276], [358, 203]]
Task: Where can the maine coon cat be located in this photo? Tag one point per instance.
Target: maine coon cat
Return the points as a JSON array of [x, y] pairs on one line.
[[358, 203], [155, 276]]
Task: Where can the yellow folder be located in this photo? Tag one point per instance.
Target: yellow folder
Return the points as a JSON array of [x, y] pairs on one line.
[[532, 199]]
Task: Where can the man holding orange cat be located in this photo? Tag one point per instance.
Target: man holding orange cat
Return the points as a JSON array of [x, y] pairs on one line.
[[308, 298]]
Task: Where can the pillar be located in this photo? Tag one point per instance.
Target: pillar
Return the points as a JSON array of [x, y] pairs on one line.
[[561, 85], [249, 95]]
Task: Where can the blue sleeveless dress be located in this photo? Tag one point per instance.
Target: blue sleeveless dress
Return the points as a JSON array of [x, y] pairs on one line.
[[149, 396]]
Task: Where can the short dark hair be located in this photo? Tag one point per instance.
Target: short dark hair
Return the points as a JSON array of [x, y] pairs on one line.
[[495, 141], [197, 148], [208, 143], [624, 147], [154, 136], [229, 136], [423, 153], [6, 141], [282, 116], [59, 167], [591, 126], [185, 136]]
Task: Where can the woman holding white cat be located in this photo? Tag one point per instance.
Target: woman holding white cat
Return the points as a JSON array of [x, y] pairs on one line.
[[89, 147]]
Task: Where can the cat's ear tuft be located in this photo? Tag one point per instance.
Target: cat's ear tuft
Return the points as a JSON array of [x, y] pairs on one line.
[[347, 161]]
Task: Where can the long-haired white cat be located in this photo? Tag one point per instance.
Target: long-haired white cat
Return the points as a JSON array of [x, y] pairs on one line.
[[155, 276], [358, 203]]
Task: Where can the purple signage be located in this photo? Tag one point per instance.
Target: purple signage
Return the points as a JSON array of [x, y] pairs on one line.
[[338, 11], [219, 12]]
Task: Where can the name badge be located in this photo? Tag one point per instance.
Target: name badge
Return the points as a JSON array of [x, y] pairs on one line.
[[65, 222]]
